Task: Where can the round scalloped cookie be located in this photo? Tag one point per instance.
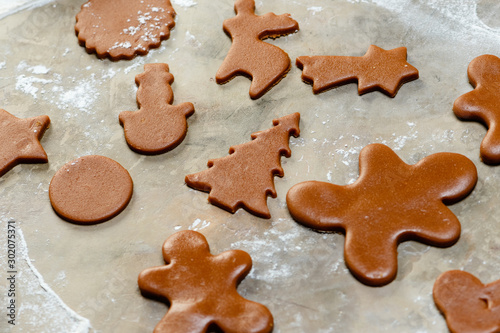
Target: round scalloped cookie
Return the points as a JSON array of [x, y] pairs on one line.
[[122, 29]]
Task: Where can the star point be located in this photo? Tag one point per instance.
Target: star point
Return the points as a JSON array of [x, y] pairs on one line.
[[20, 140]]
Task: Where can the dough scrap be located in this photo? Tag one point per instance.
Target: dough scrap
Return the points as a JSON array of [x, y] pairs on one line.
[[244, 179], [249, 56], [90, 189], [391, 202], [467, 304], [158, 126], [378, 69], [20, 140], [201, 288], [483, 104], [122, 29]]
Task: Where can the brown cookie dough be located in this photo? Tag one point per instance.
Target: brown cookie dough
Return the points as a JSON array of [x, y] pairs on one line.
[[158, 126], [467, 304], [264, 63], [378, 69], [20, 140], [201, 289], [90, 189], [244, 179], [391, 202], [122, 29], [483, 104]]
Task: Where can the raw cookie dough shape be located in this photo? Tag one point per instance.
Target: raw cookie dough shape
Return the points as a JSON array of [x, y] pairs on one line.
[[90, 189], [249, 56], [20, 140], [158, 126], [391, 202], [378, 69], [483, 104], [244, 179], [122, 29], [201, 288], [467, 304]]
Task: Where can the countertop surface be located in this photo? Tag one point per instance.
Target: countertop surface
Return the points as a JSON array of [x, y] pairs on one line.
[[73, 278]]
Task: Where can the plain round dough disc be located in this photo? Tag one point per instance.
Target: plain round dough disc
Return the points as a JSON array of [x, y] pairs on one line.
[[90, 189]]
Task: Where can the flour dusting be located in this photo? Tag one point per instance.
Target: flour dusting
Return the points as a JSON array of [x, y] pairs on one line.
[[462, 13], [315, 9], [284, 239], [13, 6], [198, 225], [79, 92], [38, 305], [184, 3]]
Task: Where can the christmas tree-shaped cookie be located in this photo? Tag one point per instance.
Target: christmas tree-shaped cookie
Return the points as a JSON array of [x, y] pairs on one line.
[[244, 179], [158, 126]]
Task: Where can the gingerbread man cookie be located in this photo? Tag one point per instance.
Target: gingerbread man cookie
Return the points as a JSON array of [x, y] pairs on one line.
[[483, 104], [122, 29], [264, 63], [201, 289], [20, 140], [158, 126], [467, 304], [378, 69], [238, 180], [391, 202]]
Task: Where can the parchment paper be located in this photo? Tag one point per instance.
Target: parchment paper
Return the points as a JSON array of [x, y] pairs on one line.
[[84, 278]]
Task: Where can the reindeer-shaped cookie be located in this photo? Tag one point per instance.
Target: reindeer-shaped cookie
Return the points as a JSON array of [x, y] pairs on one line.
[[158, 126], [201, 289], [467, 304], [483, 103], [391, 202], [264, 63]]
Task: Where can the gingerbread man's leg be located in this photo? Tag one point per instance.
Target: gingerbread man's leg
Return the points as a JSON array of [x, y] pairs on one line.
[[372, 262], [180, 319]]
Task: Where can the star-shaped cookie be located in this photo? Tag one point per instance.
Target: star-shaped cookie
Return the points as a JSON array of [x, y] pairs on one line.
[[19, 140], [378, 69], [483, 103], [391, 202]]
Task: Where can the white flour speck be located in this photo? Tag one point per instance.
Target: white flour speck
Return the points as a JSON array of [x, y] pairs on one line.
[[315, 9], [39, 69], [198, 225], [185, 3]]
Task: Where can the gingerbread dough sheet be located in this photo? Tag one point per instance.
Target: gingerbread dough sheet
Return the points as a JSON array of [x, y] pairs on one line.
[[90, 272]]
